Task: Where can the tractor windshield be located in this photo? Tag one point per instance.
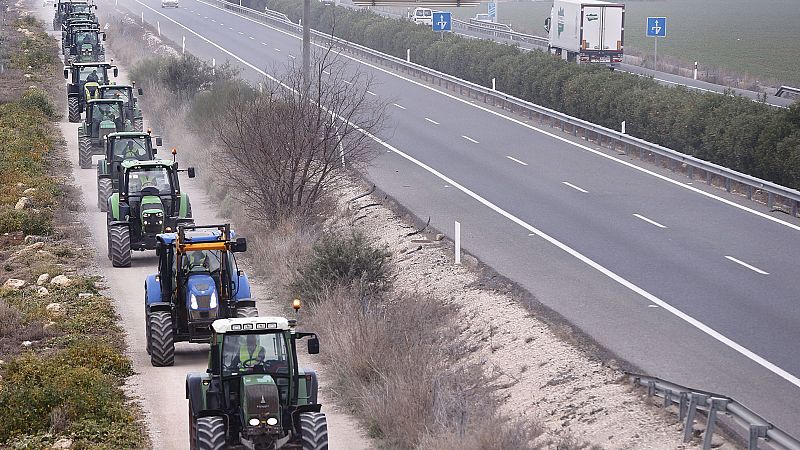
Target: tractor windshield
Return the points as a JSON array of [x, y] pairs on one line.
[[106, 111], [155, 180], [254, 353], [100, 74], [116, 93], [86, 37], [130, 148], [80, 8]]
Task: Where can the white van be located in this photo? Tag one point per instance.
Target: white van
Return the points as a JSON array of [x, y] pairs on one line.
[[423, 16]]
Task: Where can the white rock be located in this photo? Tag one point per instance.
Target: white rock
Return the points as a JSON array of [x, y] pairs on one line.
[[85, 295], [54, 309], [32, 239], [43, 279], [35, 246], [61, 280], [62, 444], [23, 203], [14, 283], [29, 191], [27, 343], [42, 291]]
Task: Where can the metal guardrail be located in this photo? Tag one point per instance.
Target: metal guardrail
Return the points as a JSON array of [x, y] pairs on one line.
[[772, 194], [490, 29], [690, 401], [490, 25], [787, 89]]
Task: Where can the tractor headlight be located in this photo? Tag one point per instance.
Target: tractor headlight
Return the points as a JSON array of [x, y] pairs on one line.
[[254, 422], [213, 302], [272, 421], [193, 301]]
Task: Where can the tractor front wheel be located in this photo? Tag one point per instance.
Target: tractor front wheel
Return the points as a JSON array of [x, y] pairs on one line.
[[162, 345], [74, 109], [247, 311], [103, 192], [314, 431], [210, 433], [84, 152], [119, 245]]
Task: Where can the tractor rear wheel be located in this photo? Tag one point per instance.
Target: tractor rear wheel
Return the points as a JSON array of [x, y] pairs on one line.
[[103, 192], [138, 124], [210, 433], [162, 345], [74, 109], [314, 431], [119, 245], [84, 151], [247, 311]]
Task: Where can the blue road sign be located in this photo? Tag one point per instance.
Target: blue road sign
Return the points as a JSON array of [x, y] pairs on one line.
[[442, 22], [657, 26], [492, 10]]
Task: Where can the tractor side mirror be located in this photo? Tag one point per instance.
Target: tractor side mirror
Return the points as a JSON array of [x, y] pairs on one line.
[[140, 91], [159, 249], [240, 245], [155, 150], [104, 36], [190, 171], [313, 346], [158, 141], [66, 73], [116, 72]]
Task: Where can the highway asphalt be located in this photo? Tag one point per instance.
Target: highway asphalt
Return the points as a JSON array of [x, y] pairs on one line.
[[689, 284]]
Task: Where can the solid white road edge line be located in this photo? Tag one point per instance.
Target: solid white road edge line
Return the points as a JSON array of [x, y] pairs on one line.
[[742, 263], [650, 221], [579, 189], [531, 229], [529, 126]]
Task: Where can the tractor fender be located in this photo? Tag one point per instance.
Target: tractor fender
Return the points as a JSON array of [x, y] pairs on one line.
[[152, 290], [309, 378], [300, 409], [113, 206], [242, 291], [184, 208], [102, 169], [195, 392], [159, 306]]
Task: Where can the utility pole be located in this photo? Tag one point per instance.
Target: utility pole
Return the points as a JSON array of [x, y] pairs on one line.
[[306, 44]]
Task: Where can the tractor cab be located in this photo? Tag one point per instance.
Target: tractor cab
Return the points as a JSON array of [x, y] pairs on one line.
[[78, 75], [119, 147], [65, 9], [254, 393], [129, 100], [84, 45], [105, 116]]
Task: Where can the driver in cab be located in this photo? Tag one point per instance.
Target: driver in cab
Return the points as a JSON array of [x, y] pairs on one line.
[[251, 354]]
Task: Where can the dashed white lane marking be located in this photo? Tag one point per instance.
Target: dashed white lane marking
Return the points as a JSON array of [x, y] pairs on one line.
[[744, 264], [432, 121], [650, 221], [326, 72], [251, 37], [276, 49], [470, 139], [399, 106], [292, 56], [241, 33], [346, 82], [371, 93], [516, 160], [579, 189]]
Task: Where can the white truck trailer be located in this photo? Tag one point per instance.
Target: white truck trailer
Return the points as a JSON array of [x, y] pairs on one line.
[[587, 31]]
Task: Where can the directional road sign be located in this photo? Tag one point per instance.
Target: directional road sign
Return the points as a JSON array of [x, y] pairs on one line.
[[492, 10], [657, 26], [442, 22]]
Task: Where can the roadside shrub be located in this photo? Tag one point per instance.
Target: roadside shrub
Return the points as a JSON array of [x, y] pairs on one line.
[[343, 260], [27, 221], [38, 99], [96, 355], [185, 75]]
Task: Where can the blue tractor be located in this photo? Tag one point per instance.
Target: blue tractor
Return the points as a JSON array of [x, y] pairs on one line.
[[198, 282]]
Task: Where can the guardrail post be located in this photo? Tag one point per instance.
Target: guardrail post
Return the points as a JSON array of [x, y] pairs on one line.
[[683, 405], [794, 208], [458, 243], [408, 55], [708, 177], [691, 172], [717, 404], [158, 26], [770, 200], [749, 192], [756, 431], [688, 428], [728, 184]]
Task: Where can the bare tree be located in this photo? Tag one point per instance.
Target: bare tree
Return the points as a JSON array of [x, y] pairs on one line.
[[286, 147]]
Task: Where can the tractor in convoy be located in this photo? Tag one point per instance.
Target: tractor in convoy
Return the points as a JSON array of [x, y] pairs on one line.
[[198, 282], [103, 117], [83, 44], [254, 394], [149, 202], [126, 94], [79, 74], [119, 147], [65, 8]]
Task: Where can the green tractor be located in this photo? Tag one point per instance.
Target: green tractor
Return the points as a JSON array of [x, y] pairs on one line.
[[149, 202], [66, 8], [83, 44], [123, 146], [103, 117], [253, 394], [129, 100], [78, 75], [198, 282]]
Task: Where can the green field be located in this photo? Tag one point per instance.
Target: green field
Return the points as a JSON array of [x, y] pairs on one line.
[[756, 37]]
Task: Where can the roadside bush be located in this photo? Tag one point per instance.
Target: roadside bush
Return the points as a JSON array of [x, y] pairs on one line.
[[27, 221], [343, 260], [38, 99], [184, 75], [96, 355]]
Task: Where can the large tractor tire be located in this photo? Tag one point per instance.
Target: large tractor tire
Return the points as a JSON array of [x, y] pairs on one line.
[[247, 311], [138, 124], [314, 431], [210, 433], [84, 152], [74, 109], [103, 192], [161, 343], [119, 245]]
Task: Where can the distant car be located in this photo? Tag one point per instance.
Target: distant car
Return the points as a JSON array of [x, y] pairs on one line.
[[328, 2], [423, 16], [169, 3]]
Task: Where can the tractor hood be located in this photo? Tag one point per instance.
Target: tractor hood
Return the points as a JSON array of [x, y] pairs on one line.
[[201, 296], [152, 214], [260, 398]]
